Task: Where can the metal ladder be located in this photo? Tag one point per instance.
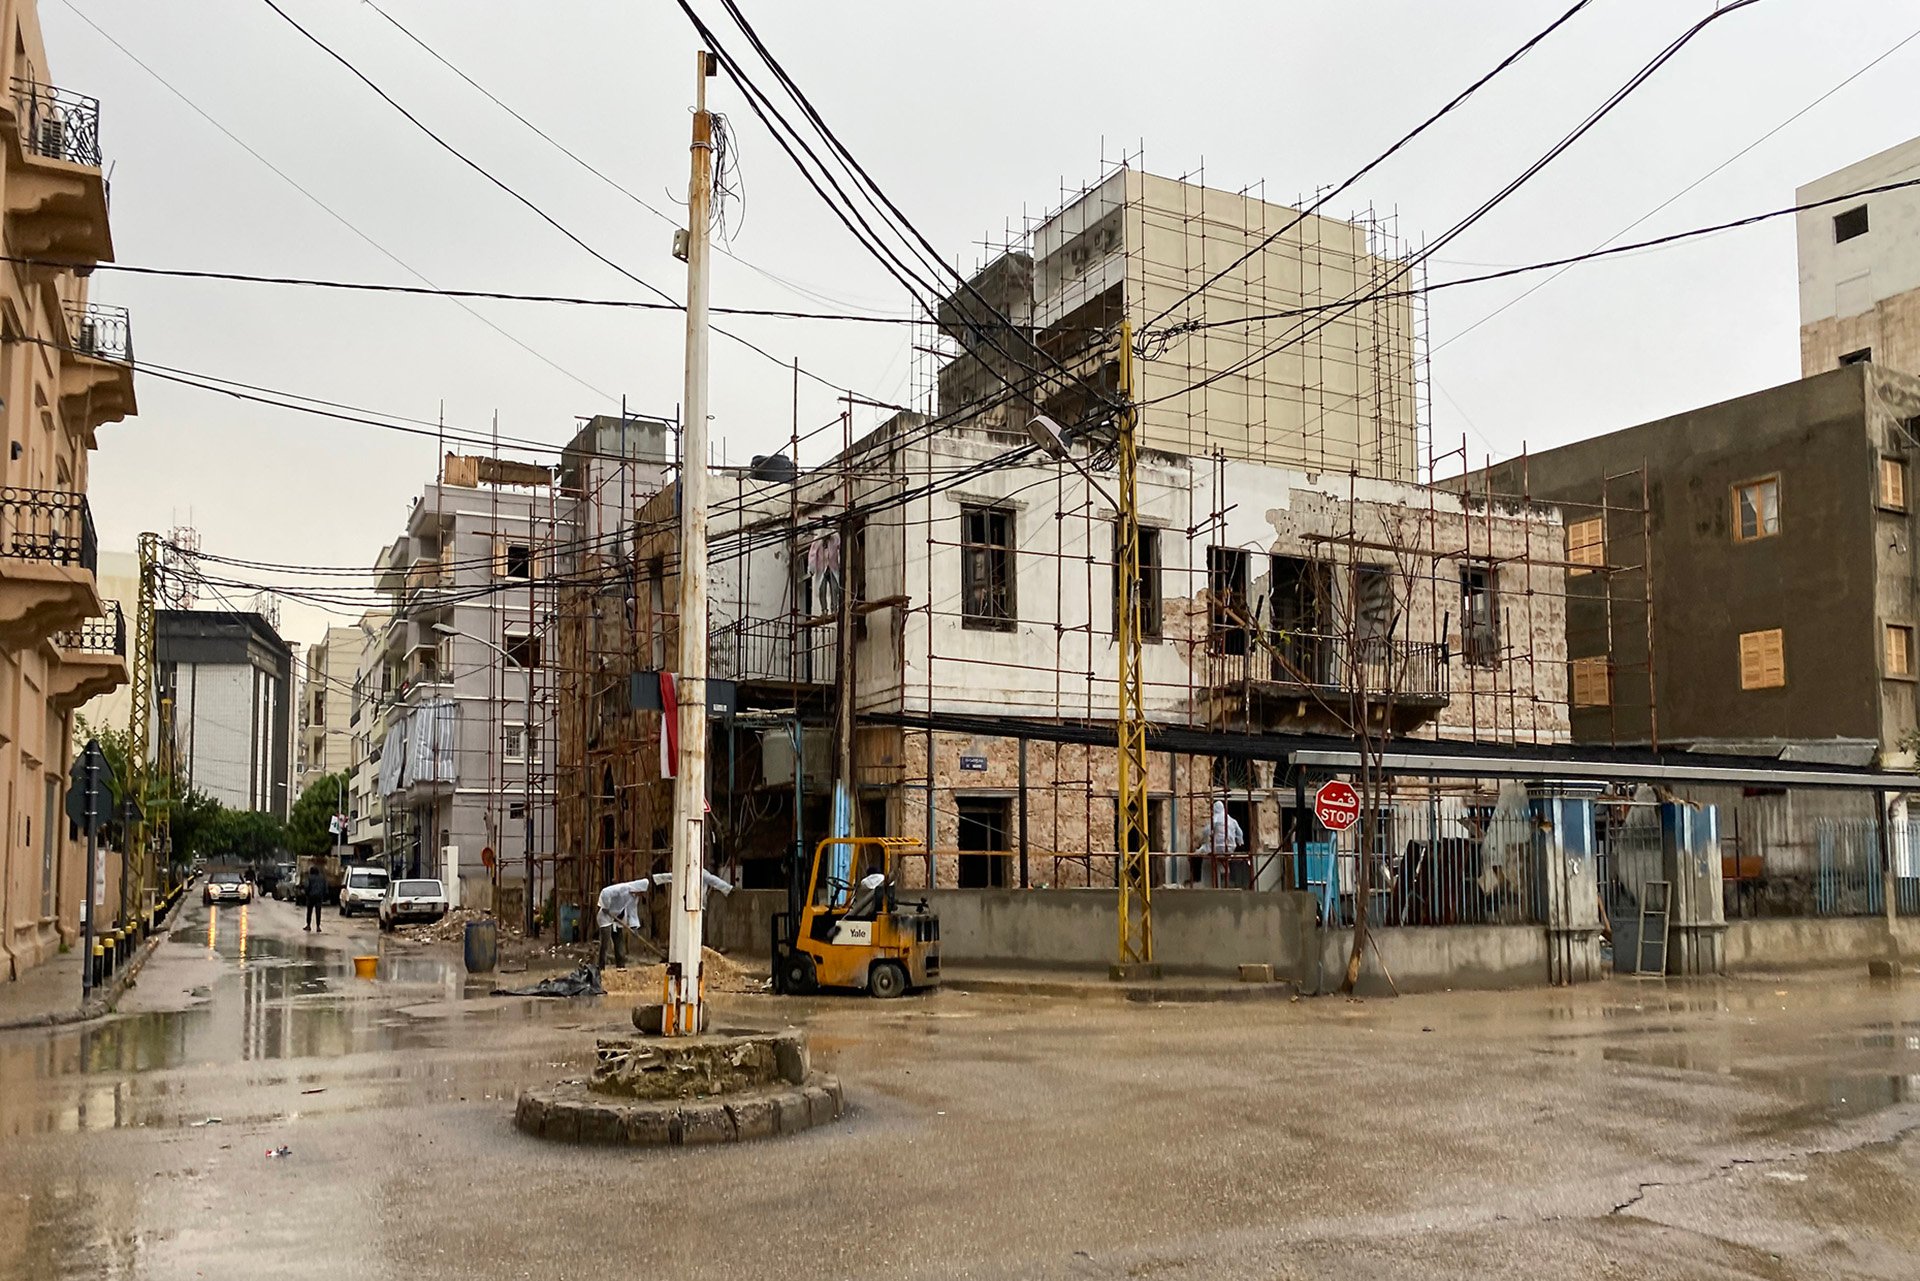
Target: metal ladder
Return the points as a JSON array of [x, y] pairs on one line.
[[1656, 902]]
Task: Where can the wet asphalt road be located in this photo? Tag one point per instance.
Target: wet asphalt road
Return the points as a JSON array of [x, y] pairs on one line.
[[1635, 1130]]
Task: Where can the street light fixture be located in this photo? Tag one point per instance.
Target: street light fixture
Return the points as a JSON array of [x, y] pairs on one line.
[[526, 770]]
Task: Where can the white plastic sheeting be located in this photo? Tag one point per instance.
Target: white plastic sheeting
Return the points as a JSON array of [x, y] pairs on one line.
[[420, 748]]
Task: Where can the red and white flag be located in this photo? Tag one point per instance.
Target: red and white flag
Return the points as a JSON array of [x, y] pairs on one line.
[[669, 727]]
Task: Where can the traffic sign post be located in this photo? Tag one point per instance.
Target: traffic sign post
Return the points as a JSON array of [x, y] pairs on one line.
[[1336, 805], [89, 802]]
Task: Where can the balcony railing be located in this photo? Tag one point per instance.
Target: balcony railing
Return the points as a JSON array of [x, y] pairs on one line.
[[105, 333], [1412, 670], [57, 124], [48, 525], [104, 635], [772, 650]]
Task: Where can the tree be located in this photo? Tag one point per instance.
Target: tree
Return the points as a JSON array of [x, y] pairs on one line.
[[191, 814], [192, 819], [307, 826], [249, 835]]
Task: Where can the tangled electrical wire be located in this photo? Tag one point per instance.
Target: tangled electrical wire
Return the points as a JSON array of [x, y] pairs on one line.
[[728, 186]]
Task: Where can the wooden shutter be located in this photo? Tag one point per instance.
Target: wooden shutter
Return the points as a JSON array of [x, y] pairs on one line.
[[1899, 650], [1893, 484], [1763, 661], [1592, 682], [1586, 543]]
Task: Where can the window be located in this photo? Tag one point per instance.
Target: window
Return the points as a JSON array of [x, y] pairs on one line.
[[657, 613], [517, 561], [1899, 650], [1227, 614], [1850, 223], [986, 568], [1861, 357], [1374, 613], [519, 743], [1756, 509], [523, 649], [1592, 682], [1893, 484], [1587, 543], [1147, 585], [983, 841], [1479, 616], [517, 810], [1763, 660]]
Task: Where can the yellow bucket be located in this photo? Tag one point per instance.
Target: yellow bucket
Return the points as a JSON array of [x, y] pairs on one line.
[[363, 966]]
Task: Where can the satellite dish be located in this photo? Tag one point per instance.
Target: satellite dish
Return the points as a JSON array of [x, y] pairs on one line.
[[1048, 435]]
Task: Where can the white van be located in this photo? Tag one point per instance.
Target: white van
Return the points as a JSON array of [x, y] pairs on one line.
[[362, 889]]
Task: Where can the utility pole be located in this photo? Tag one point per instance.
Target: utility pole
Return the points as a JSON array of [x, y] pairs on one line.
[[527, 741], [139, 788], [1136, 885], [683, 1013]]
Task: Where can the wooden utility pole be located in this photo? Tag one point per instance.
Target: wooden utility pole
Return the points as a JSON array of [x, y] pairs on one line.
[[683, 1013]]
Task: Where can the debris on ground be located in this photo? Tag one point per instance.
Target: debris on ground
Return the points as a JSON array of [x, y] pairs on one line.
[[212, 1120], [282, 1150], [452, 928], [722, 974], [584, 981]]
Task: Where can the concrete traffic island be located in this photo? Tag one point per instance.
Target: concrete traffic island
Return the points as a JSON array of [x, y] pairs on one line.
[[674, 1092]]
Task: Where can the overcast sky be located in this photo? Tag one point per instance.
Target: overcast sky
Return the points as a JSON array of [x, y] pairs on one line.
[[969, 114]]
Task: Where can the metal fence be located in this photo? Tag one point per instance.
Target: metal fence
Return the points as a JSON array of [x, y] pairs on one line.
[[102, 332], [104, 635], [1850, 879], [1441, 862], [774, 650], [48, 525], [57, 124], [1415, 670]]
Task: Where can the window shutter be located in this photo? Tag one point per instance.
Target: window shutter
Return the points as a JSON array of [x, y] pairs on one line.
[[1763, 661]]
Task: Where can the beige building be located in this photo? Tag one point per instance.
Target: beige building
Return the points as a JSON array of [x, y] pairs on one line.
[[325, 741], [1860, 266], [65, 370]]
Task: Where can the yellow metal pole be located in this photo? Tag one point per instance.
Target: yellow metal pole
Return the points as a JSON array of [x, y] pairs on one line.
[[140, 728], [1136, 885]]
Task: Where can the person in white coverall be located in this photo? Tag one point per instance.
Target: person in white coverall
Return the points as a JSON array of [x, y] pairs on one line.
[[619, 913], [1222, 836]]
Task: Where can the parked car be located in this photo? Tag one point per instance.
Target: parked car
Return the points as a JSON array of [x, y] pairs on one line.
[[226, 887], [413, 900], [270, 876], [362, 889]]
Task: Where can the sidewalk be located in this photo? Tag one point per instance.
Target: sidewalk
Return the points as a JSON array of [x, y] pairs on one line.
[[1094, 985], [49, 994]]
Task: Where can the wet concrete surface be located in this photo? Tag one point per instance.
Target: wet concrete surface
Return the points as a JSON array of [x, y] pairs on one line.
[[1632, 1129]]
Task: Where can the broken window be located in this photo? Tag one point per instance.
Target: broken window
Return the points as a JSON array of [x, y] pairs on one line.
[[1299, 594], [1227, 615], [1586, 544], [1899, 650], [1893, 483], [1763, 659], [1479, 616], [1147, 586], [1860, 357], [522, 649], [517, 562], [1374, 612], [983, 841], [1850, 223], [986, 568], [1756, 509], [1592, 682]]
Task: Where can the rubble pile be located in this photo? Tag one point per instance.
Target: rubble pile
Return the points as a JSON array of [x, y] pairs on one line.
[[722, 975]]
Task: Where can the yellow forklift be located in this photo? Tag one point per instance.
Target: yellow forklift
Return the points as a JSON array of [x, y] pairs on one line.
[[847, 931]]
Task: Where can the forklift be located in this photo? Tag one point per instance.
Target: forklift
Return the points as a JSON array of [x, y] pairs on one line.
[[851, 933]]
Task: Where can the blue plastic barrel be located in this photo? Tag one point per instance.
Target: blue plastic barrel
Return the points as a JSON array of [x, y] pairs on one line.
[[569, 923], [483, 946]]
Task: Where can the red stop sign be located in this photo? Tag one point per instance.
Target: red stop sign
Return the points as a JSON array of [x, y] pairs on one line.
[[1336, 805]]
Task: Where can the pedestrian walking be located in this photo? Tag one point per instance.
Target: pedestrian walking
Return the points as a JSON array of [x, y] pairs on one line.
[[316, 894]]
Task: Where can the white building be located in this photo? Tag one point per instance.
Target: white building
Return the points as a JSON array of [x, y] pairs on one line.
[[1860, 266], [229, 677]]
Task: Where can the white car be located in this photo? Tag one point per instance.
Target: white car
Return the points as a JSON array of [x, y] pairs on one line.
[[362, 889], [413, 900], [227, 887]]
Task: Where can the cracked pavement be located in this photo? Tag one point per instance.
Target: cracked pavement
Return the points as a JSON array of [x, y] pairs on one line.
[[1759, 1128]]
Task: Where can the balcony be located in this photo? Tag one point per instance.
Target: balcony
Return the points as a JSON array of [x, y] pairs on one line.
[[56, 192], [93, 660], [771, 651], [96, 371], [426, 576], [48, 557], [1307, 680]]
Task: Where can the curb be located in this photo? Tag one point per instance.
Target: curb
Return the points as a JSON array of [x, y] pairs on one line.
[[1138, 993], [101, 1006], [573, 1114]]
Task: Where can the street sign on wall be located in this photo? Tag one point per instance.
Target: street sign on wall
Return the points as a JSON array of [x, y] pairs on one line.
[[1336, 805]]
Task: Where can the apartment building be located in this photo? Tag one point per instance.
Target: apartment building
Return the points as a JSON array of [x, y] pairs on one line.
[[228, 678], [366, 808], [64, 372], [326, 697], [1860, 266]]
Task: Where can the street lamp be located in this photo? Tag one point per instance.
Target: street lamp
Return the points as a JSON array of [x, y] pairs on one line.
[[526, 767]]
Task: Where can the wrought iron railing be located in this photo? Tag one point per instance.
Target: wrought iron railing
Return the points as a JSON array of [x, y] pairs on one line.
[[1313, 660], [105, 333], [775, 650], [48, 525], [106, 634], [58, 124]]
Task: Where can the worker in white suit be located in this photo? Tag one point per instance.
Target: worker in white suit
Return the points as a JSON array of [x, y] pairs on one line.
[[619, 912], [1221, 836]]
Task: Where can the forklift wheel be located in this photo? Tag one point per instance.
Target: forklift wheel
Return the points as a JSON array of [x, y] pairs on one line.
[[886, 980], [797, 974]]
